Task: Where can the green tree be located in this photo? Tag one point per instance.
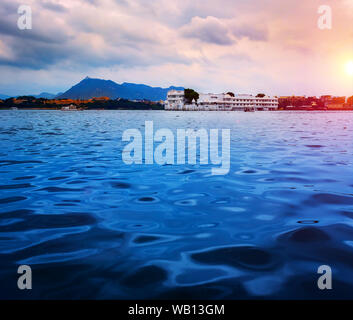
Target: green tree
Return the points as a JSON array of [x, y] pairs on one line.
[[231, 94], [260, 95], [190, 95]]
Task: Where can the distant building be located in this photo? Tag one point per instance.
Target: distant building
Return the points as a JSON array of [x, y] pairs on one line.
[[71, 107], [100, 99], [325, 98], [328, 100], [220, 102], [292, 101], [339, 106], [175, 100], [350, 101], [303, 102]]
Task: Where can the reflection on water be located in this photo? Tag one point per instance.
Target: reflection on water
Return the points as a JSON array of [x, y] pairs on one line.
[[92, 227]]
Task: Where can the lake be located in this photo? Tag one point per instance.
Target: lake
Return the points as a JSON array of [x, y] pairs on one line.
[[92, 227]]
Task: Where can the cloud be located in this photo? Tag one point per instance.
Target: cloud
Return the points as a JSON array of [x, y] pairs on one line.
[[209, 29], [255, 33], [223, 31], [51, 5], [251, 45]]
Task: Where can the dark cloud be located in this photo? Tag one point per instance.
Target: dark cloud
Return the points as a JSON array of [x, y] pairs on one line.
[[8, 27], [33, 54], [36, 48], [78, 41], [53, 6], [159, 39], [251, 32], [8, 8], [210, 30]]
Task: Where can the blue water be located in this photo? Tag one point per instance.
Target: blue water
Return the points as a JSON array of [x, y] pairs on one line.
[[92, 227]]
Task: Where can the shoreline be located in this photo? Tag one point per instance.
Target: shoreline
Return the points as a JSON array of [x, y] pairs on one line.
[[285, 110]]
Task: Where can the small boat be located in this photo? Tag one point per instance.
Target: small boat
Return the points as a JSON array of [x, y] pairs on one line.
[[14, 108], [71, 107]]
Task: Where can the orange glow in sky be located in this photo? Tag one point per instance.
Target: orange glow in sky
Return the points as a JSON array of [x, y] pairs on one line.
[[349, 68]]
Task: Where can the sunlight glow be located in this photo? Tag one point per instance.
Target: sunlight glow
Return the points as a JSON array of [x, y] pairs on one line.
[[349, 68]]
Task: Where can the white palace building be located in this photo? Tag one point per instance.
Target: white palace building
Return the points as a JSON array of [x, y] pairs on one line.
[[220, 102]]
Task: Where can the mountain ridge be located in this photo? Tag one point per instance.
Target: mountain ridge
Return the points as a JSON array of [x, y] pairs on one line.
[[44, 95], [89, 88]]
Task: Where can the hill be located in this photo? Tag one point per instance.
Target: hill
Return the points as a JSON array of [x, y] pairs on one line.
[[46, 95], [89, 88]]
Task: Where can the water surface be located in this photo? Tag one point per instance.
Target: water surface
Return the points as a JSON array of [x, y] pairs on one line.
[[92, 227]]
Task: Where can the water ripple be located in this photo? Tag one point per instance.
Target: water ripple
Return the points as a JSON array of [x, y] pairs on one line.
[[92, 227]]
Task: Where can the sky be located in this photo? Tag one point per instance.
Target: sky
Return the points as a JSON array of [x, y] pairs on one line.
[[244, 46]]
